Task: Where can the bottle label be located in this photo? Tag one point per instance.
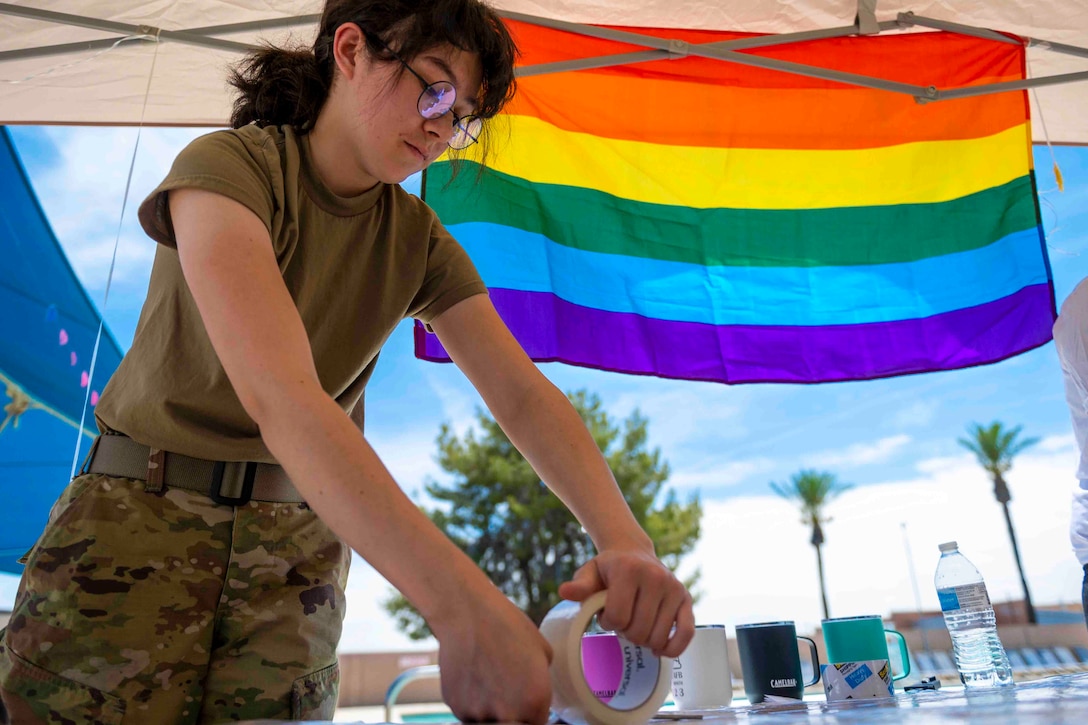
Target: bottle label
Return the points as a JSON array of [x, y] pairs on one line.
[[969, 597]]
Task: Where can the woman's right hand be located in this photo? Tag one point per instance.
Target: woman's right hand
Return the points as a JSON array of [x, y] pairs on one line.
[[494, 664]]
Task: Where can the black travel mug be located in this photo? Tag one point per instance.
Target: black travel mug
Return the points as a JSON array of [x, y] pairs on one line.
[[770, 662]]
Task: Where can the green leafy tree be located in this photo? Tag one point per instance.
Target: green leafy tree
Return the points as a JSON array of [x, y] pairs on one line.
[[995, 447], [499, 512], [813, 490]]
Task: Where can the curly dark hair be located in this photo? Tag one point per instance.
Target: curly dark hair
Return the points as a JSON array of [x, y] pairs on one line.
[[282, 86]]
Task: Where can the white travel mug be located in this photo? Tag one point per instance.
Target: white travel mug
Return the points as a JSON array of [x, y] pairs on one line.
[[701, 679]]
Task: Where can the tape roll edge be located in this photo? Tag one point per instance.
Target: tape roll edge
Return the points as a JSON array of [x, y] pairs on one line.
[[563, 627]]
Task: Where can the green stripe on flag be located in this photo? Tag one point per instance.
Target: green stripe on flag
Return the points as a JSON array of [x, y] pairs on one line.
[[597, 222]]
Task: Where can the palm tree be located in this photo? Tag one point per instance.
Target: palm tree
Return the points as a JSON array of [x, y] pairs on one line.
[[813, 490], [995, 447]]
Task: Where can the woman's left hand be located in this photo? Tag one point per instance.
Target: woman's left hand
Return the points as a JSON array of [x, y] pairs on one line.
[[646, 603]]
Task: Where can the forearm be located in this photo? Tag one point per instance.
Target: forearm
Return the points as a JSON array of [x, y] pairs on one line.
[[344, 481], [548, 431]]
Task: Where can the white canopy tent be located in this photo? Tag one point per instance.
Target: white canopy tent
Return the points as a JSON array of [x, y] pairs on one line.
[[163, 63]]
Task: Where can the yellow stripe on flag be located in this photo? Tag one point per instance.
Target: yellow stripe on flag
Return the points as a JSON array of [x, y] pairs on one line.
[[912, 173]]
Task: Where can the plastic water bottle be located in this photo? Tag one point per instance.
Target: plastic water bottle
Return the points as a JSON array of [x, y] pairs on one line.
[[969, 616]]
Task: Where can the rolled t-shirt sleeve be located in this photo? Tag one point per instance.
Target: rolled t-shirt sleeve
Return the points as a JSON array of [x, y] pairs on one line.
[[450, 277], [236, 164]]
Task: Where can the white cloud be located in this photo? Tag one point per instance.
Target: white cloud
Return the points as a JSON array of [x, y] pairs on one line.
[[84, 195], [916, 415], [91, 257], [409, 464], [933, 466], [458, 402], [861, 454], [694, 411], [757, 563], [1055, 443], [710, 475]]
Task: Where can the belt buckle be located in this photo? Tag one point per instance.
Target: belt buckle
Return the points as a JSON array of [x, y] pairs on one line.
[[231, 472]]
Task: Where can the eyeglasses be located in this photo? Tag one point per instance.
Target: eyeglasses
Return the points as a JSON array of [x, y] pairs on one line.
[[437, 100]]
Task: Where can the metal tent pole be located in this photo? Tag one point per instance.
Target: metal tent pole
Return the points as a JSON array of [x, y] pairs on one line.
[[180, 36]]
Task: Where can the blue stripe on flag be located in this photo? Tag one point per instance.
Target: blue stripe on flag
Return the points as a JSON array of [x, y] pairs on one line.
[[514, 259]]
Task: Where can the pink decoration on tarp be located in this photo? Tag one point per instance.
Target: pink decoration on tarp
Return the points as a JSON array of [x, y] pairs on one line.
[[63, 337], [94, 397], [84, 379], [73, 358]]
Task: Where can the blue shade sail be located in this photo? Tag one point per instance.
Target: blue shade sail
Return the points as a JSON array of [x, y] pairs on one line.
[[48, 327]]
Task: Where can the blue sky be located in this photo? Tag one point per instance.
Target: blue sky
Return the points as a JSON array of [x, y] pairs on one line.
[[894, 440]]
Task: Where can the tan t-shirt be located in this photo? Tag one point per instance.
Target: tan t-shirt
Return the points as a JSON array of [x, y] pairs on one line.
[[356, 267]]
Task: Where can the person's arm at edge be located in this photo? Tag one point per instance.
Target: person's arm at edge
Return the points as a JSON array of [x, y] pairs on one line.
[[548, 431], [228, 262]]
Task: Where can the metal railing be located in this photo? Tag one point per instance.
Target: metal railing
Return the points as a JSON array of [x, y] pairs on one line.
[[403, 680]]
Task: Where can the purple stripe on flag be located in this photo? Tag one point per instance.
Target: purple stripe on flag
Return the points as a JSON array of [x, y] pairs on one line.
[[552, 330]]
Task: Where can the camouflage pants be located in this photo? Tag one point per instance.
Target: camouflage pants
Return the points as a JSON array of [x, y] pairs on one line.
[[140, 607]]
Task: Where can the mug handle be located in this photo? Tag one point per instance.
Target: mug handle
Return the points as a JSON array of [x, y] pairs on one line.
[[903, 651], [815, 661]]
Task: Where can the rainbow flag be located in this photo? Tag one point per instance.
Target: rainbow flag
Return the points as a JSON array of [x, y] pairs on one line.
[[703, 220]]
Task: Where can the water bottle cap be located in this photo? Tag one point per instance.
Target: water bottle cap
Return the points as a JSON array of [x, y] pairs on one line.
[[948, 546]]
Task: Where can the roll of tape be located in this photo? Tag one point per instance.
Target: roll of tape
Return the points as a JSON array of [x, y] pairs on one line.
[[642, 688]]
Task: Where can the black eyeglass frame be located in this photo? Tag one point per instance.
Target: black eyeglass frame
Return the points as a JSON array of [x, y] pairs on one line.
[[461, 124]]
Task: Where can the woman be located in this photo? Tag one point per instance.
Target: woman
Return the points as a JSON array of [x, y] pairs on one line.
[[184, 577]]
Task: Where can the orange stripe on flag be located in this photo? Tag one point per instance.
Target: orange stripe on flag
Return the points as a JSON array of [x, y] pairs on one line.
[[691, 114]]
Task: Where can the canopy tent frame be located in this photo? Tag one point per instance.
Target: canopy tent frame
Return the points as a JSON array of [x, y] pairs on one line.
[[729, 51], [659, 48]]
